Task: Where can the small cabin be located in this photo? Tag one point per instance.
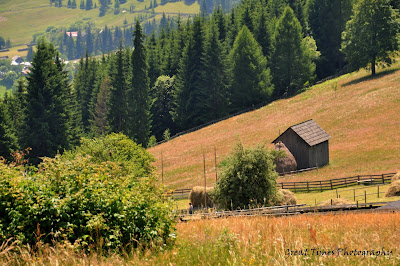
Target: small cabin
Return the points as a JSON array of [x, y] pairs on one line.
[[308, 143]]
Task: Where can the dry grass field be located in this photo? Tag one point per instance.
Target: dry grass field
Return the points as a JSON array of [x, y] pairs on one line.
[[362, 115], [332, 239]]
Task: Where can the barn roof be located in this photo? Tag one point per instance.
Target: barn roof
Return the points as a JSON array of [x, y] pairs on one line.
[[310, 132]]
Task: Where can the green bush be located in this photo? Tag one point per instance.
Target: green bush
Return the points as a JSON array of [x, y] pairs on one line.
[[248, 179], [88, 199]]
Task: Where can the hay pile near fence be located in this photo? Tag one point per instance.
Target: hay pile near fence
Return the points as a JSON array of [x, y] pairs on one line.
[[285, 197], [285, 164], [336, 201], [197, 195], [396, 177], [394, 189]]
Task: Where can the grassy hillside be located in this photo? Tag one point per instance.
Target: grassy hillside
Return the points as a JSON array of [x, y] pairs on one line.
[[362, 115], [19, 19]]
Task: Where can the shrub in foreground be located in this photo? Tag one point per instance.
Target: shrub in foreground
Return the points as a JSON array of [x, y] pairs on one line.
[[248, 178], [85, 200]]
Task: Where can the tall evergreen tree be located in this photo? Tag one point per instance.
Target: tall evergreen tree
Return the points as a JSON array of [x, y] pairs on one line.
[[117, 104], [215, 76], [190, 97], [79, 51], [327, 20], [263, 35], [251, 80], [372, 34], [46, 111], [89, 4], [8, 141], [291, 60], [89, 40], [140, 120], [100, 109]]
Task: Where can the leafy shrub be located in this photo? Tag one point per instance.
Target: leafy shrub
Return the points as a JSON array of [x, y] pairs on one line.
[[87, 199], [248, 178]]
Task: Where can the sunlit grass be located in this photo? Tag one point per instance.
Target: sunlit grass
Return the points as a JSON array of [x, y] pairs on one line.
[[250, 241]]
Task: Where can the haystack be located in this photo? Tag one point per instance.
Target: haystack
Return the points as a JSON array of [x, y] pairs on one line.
[[336, 201], [285, 197], [396, 177], [196, 196], [285, 164], [394, 189]]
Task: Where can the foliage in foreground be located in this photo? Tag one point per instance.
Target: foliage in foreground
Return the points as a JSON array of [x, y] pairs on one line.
[[249, 178], [86, 199], [251, 240]]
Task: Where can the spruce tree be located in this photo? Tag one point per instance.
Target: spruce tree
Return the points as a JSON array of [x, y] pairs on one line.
[[215, 76], [327, 20], [117, 104], [46, 107], [251, 80], [8, 141], [89, 4], [291, 59], [89, 40], [139, 100], [190, 97]]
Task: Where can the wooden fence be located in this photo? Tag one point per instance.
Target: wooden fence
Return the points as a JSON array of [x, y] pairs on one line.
[[310, 186], [322, 185]]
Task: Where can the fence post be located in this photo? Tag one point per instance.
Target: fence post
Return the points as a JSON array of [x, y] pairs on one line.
[[365, 196], [383, 179], [282, 185], [337, 194], [331, 184], [354, 195], [331, 202], [345, 181], [308, 188]]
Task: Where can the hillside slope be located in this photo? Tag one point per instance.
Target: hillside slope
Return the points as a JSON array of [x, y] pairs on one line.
[[362, 115], [19, 19]]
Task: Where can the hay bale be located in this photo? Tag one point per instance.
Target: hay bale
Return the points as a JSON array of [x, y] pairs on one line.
[[196, 196], [394, 189], [396, 177], [336, 201], [285, 164], [285, 197]]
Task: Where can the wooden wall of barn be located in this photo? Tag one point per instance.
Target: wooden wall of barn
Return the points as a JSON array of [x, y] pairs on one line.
[[319, 154]]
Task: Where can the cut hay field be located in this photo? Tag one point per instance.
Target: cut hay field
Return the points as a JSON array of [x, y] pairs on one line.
[[19, 19], [362, 115], [332, 239]]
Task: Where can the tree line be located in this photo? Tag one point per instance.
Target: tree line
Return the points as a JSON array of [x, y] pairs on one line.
[[198, 71]]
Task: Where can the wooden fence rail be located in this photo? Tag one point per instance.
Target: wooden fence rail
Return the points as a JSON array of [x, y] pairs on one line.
[[310, 186]]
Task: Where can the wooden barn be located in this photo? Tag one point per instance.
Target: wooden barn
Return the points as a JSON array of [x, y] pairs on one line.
[[308, 143]]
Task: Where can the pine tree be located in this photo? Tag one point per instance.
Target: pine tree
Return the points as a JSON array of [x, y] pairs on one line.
[[73, 5], [78, 50], [101, 108], [8, 141], [291, 64], [215, 76], [190, 97], [263, 35], [327, 20], [89, 40], [89, 4], [140, 120], [153, 60], [117, 104], [82, 4], [372, 34], [251, 80], [46, 111]]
